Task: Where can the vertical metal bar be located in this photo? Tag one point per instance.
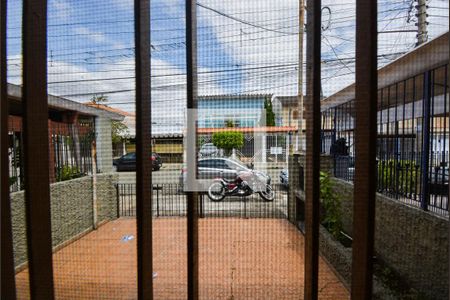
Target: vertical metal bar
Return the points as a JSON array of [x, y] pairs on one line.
[[444, 158], [143, 149], [380, 164], [347, 122], [21, 154], [388, 143], [425, 140], [8, 286], [157, 200], [366, 134], [57, 163], [404, 165], [117, 201], [312, 106], [202, 203], [414, 132], [333, 139], [192, 197], [396, 133], [431, 160], [35, 128], [14, 158]]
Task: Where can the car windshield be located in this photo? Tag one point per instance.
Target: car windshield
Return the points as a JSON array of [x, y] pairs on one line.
[[131, 155], [237, 165]]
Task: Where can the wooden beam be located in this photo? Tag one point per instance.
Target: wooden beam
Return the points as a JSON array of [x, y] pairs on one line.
[[365, 141], [143, 150], [312, 108], [192, 197], [8, 286], [36, 161]]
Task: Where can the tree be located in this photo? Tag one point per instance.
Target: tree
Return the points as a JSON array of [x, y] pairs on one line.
[[229, 123], [228, 140], [270, 115], [99, 99], [119, 131]]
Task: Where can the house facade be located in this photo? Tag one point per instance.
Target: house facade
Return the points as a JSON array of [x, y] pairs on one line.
[[240, 110], [73, 130]]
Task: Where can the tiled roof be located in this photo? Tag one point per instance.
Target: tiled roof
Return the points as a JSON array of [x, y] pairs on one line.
[[268, 129], [109, 108]]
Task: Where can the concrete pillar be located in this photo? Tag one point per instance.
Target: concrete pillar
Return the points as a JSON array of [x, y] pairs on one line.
[[288, 147], [104, 144], [263, 148]]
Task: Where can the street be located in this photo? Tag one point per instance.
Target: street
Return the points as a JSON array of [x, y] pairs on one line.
[[170, 173]]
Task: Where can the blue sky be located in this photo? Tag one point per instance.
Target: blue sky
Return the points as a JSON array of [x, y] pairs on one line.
[[249, 47]]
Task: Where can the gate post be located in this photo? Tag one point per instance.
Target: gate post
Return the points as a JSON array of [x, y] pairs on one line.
[[118, 200], [425, 192]]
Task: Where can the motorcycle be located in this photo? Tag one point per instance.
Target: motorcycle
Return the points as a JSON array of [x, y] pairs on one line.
[[245, 184]]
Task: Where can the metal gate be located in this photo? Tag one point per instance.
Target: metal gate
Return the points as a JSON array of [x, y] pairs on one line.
[[170, 201]]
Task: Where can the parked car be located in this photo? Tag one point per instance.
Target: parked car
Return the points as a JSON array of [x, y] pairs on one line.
[[209, 150], [218, 167], [127, 162], [284, 178]]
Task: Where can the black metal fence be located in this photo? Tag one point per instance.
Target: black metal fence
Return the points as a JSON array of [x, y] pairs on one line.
[[70, 153], [170, 201], [413, 140], [72, 147], [16, 174]]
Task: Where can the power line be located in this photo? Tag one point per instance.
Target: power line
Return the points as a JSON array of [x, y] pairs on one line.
[[241, 20]]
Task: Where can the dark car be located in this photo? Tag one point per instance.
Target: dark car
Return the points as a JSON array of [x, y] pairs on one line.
[[127, 162]]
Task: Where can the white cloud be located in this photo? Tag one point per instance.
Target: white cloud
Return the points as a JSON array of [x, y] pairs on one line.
[[124, 4], [60, 9], [253, 46]]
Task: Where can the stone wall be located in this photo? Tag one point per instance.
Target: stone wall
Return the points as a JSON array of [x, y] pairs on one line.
[[411, 241], [71, 211]]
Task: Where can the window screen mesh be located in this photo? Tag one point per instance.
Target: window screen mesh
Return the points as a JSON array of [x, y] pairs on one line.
[[250, 147]]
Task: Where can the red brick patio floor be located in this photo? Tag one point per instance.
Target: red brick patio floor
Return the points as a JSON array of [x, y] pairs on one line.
[[239, 259]]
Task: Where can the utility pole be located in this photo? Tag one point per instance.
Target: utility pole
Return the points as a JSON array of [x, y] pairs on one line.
[[301, 31], [422, 24]]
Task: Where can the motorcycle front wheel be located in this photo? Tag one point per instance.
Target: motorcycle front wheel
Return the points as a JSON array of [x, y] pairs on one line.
[[216, 192], [268, 194]]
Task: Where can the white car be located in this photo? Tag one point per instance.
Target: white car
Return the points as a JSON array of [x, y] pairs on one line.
[[218, 167]]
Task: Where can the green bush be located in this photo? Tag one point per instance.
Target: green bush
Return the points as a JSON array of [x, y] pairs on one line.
[[12, 180], [270, 115], [331, 207], [228, 140], [68, 172], [400, 176]]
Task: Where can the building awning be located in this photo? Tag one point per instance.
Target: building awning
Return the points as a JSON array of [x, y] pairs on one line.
[[428, 56], [264, 129]]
